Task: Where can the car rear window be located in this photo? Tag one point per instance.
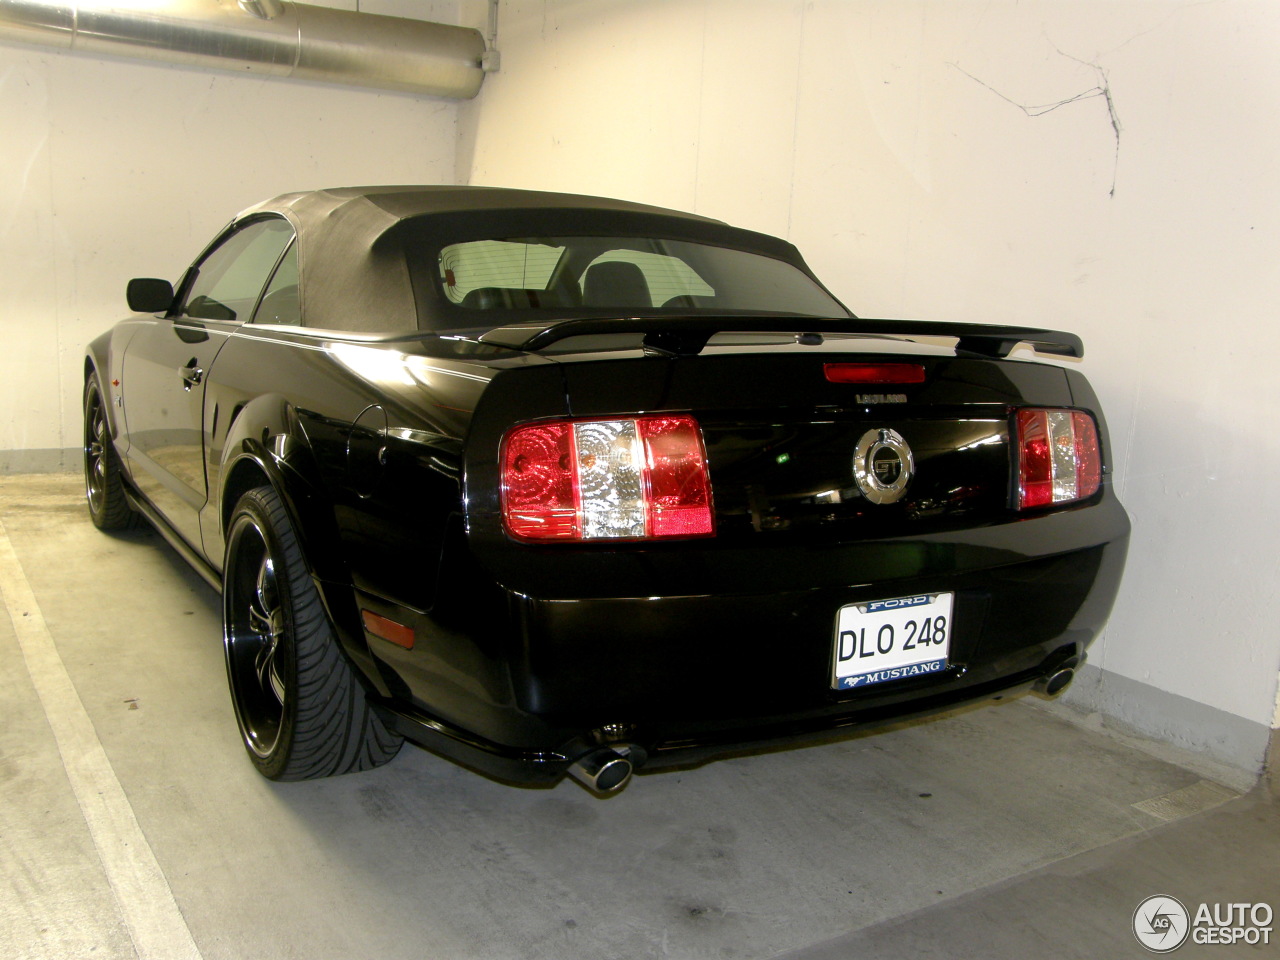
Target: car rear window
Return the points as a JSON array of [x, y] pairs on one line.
[[623, 273], [503, 264]]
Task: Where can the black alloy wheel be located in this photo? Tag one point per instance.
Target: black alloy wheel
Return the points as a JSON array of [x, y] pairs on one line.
[[109, 507], [301, 710]]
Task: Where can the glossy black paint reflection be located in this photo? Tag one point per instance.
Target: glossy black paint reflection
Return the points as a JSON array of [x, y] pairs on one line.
[[384, 450]]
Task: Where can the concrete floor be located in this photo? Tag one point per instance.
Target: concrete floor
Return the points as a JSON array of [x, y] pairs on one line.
[[131, 824]]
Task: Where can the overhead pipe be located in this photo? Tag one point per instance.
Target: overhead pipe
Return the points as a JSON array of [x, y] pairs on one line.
[[262, 38]]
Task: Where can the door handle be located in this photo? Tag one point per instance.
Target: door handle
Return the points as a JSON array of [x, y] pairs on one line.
[[191, 374]]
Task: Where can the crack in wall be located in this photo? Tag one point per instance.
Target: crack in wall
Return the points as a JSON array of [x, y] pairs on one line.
[[1101, 89]]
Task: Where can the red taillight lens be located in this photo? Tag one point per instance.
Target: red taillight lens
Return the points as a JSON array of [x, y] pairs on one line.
[[539, 482], [1059, 460], [679, 490], [1088, 455], [874, 372], [635, 478]]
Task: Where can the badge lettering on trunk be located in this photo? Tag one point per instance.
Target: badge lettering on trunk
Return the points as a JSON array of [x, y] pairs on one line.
[[883, 465], [867, 399]]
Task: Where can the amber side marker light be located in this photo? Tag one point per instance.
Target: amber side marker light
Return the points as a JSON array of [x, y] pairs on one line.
[[379, 626], [874, 372]]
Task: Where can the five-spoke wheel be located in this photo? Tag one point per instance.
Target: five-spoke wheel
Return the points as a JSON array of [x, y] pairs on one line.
[[254, 628], [301, 710], [104, 489]]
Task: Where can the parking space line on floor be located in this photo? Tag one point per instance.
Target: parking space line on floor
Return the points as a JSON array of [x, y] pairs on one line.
[[143, 895]]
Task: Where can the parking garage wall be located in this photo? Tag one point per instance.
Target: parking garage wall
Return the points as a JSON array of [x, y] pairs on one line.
[[1103, 168], [111, 169]]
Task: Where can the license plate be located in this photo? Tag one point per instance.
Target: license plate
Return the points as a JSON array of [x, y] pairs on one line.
[[883, 640]]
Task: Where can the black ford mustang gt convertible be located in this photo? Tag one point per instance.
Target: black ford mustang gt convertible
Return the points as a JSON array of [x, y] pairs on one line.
[[556, 484]]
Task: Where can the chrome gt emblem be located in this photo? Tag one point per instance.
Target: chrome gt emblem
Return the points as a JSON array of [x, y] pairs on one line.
[[883, 465]]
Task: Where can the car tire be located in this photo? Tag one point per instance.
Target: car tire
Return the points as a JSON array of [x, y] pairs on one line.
[[109, 507], [301, 710]]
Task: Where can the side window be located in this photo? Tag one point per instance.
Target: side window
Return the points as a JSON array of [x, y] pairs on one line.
[[280, 303], [228, 280]]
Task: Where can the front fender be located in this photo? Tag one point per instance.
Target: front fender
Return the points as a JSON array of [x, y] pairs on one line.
[[104, 358]]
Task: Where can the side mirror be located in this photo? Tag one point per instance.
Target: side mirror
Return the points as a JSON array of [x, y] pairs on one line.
[[149, 296]]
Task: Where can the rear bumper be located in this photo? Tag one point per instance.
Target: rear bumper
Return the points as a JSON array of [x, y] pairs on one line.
[[534, 767], [687, 678]]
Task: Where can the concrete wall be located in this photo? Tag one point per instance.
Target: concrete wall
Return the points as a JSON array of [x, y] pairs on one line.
[[115, 169], [1104, 167]]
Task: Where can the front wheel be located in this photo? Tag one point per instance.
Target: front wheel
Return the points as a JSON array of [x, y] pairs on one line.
[[301, 710], [109, 507]]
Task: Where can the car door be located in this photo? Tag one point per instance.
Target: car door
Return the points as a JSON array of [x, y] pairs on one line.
[[166, 362]]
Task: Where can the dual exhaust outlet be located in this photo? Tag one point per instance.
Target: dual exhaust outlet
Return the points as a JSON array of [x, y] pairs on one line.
[[608, 769]]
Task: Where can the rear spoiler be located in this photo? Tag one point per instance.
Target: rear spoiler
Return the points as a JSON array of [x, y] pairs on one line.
[[686, 336]]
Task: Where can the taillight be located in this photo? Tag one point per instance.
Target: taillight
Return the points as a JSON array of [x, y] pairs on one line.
[[1059, 460], [634, 478]]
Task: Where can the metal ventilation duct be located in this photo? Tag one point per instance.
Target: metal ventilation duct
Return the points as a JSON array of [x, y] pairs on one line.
[[261, 37]]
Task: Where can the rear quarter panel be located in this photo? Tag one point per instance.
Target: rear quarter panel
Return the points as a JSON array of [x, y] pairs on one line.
[[364, 440]]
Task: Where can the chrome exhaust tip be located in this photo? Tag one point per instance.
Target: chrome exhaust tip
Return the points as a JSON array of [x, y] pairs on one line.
[[606, 770], [1050, 686]]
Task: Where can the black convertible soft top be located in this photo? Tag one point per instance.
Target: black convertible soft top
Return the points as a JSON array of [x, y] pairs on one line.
[[356, 273], [352, 266], [400, 202]]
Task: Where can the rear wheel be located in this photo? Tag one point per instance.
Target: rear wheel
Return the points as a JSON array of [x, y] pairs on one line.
[[104, 487], [301, 710]]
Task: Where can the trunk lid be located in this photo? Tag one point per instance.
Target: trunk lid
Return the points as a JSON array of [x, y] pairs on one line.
[[786, 446]]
